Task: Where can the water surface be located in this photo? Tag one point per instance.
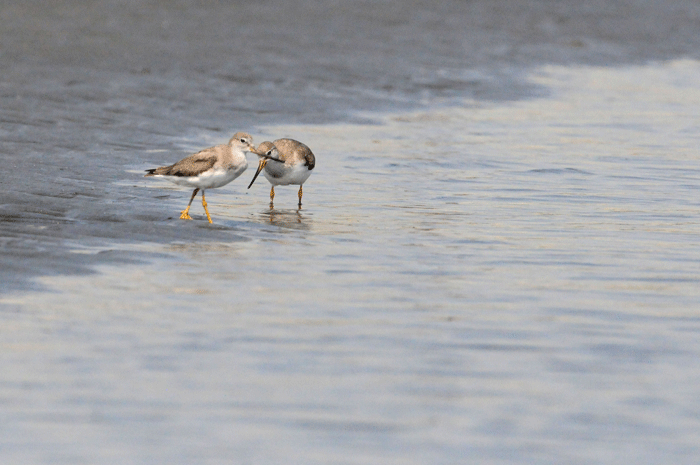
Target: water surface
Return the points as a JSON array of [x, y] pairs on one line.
[[495, 282]]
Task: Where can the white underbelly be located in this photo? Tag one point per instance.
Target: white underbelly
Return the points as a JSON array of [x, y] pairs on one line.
[[283, 175], [209, 179]]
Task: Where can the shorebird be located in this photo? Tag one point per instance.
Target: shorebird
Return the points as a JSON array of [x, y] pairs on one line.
[[209, 168], [285, 161]]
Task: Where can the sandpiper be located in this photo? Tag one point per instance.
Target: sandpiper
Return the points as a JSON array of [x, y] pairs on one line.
[[285, 161], [209, 168]]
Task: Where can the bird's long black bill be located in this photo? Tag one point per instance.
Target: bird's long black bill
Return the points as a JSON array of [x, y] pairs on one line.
[[261, 165], [268, 157]]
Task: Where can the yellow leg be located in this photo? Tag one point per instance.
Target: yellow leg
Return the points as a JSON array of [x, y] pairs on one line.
[[185, 214], [300, 192], [272, 193], [204, 204]]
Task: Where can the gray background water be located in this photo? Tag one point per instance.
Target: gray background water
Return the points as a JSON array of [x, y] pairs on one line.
[[497, 260]]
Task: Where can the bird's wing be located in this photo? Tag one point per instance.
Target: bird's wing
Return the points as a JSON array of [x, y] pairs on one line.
[[287, 147], [310, 159], [193, 165]]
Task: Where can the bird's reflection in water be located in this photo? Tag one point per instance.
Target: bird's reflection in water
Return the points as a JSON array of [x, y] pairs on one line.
[[292, 219]]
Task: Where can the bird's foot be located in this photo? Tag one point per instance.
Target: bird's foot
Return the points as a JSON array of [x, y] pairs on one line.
[[185, 215]]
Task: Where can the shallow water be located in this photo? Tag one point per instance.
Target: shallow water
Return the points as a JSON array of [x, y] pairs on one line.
[[497, 260], [513, 282]]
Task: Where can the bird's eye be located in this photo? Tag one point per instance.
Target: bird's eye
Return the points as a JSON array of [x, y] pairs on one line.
[[243, 140], [269, 152]]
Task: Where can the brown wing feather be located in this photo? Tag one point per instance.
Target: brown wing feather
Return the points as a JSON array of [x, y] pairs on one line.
[[286, 146], [188, 166], [310, 160]]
